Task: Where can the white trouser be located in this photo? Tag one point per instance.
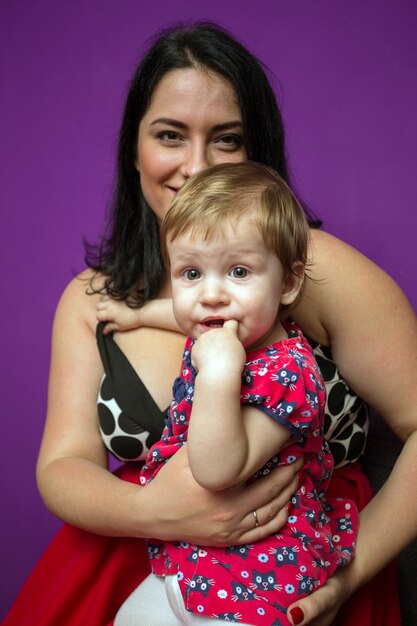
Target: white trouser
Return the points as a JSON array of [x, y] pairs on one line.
[[158, 602]]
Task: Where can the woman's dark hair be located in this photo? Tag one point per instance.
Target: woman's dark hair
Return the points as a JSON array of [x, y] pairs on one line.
[[129, 252]]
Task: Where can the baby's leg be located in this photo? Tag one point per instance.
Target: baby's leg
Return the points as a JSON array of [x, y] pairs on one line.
[[186, 618], [148, 604], [158, 601]]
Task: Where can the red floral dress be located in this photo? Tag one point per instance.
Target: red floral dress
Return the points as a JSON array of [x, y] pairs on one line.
[[256, 583]]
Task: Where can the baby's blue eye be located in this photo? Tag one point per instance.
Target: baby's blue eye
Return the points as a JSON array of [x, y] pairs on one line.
[[192, 274], [239, 272]]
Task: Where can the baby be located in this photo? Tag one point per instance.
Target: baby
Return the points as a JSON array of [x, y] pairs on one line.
[[249, 398]]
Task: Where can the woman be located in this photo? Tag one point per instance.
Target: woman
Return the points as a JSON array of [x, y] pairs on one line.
[[199, 98]]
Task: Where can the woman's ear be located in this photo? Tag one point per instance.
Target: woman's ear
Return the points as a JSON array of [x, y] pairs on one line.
[[137, 160], [292, 284]]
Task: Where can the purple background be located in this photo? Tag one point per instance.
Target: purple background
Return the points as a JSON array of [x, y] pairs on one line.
[[346, 78]]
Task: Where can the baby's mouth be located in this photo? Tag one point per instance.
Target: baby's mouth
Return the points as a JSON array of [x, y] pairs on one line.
[[216, 323]]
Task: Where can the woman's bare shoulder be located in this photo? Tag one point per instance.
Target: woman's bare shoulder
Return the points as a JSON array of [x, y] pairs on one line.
[[339, 273], [333, 254], [79, 299], [344, 284], [84, 283]]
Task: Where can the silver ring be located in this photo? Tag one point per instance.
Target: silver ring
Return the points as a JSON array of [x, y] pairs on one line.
[[255, 515]]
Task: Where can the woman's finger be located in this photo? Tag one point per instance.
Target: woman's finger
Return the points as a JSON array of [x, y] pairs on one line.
[[275, 490], [270, 510], [256, 533], [321, 607], [269, 519]]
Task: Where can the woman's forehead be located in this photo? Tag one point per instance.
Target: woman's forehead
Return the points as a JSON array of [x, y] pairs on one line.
[[182, 89]]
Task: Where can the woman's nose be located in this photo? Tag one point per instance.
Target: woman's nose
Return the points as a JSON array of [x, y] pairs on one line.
[[195, 160]]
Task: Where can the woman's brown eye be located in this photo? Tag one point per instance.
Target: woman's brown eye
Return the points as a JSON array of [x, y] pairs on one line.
[[168, 136], [231, 142]]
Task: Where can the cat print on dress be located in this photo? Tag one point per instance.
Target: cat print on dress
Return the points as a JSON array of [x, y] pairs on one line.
[[284, 408], [286, 377], [229, 617], [240, 551], [265, 581], [199, 584], [154, 550], [242, 593], [196, 554], [344, 524], [285, 555], [179, 418]]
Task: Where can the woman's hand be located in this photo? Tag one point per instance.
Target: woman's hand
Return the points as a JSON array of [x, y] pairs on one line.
[[321, 607], [182, 510]]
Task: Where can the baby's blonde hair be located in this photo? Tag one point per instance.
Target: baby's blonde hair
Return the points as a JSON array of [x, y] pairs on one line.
[[225, 192]]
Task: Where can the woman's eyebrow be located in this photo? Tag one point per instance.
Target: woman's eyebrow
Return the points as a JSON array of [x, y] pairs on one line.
[[182, 125], [228, 125], [169, 121]]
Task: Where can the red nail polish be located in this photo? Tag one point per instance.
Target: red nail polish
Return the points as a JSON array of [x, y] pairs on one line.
[[297, 615]]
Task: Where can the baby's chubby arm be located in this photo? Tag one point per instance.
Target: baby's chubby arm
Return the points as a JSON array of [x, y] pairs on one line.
[[119, 316], [227, 442]]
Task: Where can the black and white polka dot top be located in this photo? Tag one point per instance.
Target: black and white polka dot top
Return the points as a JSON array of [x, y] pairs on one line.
[[130, 421]]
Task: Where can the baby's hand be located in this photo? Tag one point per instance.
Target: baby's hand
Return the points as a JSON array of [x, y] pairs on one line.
[[117, 314], [220, 349]]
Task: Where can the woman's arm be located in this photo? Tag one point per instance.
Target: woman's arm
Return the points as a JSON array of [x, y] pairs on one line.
[[72, 467], [227, 442], [358, 310]]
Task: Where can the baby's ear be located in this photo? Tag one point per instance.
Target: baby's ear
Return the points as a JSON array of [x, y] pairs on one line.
[[292, 284]]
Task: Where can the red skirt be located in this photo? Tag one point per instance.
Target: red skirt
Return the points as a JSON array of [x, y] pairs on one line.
[[82, 579]]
